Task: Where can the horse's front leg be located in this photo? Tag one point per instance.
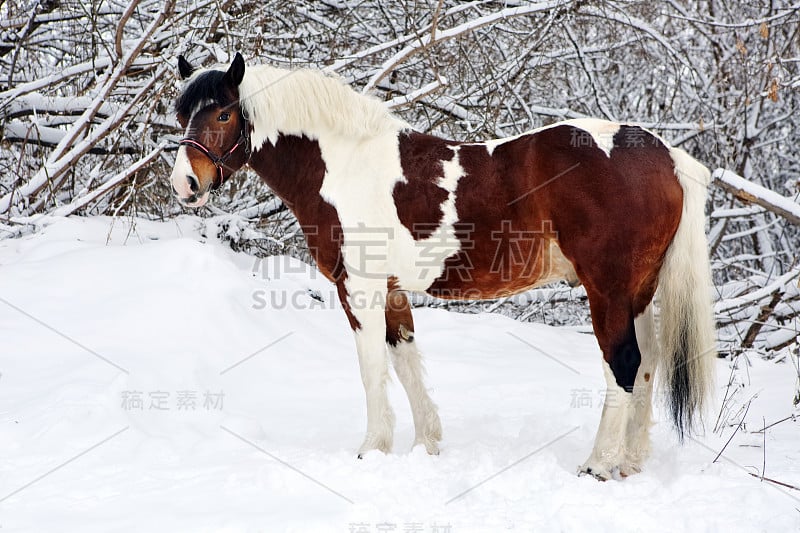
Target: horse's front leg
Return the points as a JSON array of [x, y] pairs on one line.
[[364, 304]]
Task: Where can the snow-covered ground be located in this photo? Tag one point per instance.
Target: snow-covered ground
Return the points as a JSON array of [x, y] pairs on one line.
[[155, 382]]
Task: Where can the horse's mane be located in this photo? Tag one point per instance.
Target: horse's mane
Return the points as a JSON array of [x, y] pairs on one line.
[[309, 102]]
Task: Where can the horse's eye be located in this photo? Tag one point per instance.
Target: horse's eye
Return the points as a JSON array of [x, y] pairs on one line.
[[224, 117]]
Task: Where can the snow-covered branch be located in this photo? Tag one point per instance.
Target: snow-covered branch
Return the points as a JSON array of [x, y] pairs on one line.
[[752, 193], [433, 38], [110, 183]]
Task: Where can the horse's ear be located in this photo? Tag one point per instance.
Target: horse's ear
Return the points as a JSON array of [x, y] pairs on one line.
[[184, 67], [235, 72]]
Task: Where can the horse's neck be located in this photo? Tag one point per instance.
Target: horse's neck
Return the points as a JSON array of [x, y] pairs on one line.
[[292, 167]]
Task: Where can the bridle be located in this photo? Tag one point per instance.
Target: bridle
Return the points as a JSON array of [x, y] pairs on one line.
[[219, 161]]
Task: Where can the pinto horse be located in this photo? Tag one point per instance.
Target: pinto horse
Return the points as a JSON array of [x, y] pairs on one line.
[[386, 210]]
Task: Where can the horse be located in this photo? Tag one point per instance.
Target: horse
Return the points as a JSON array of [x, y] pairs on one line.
[[387, 210]]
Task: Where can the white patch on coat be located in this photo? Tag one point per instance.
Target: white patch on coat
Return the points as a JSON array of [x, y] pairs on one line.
[[359, 179], [453, 172], [420, 263], [602, 131], [491, 144], [359, 182]]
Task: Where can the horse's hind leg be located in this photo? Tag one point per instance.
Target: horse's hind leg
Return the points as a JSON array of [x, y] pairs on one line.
[[407, 363], [637, 437], [613, 323], [629, 363]]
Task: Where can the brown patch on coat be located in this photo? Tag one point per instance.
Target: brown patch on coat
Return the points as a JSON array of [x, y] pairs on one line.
[[293, 169], [399, 322], [418, 200]]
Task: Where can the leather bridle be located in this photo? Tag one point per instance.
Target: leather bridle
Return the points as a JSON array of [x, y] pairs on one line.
[[219, 161]]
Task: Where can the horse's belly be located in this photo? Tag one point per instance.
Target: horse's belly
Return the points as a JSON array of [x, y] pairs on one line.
[[516, 268], [558, 268]]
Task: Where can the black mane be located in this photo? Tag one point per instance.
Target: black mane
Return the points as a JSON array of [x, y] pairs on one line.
[[208, 86]]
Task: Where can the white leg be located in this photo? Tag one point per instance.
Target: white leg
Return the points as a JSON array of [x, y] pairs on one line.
[[609, 445], [373, 362], [407, 363], [637, 438]]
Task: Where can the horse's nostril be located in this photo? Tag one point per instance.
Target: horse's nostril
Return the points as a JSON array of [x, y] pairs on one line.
[[194, 185]]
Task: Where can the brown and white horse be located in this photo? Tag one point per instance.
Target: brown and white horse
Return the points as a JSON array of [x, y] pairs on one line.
[[387, 210]]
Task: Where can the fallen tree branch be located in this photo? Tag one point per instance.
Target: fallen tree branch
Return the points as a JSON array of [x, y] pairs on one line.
[[760, 321], [750, 298]]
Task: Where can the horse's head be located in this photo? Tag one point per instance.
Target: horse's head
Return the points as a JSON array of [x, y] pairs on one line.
[[217, 135]]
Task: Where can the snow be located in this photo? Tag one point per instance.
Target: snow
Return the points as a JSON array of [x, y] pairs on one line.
[[94, 310]]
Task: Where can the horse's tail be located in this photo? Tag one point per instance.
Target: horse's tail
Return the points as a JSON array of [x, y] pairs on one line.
[[687, 335]]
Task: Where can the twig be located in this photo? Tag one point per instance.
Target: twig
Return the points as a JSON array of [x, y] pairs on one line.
[[764, 449], [741, 421], [727, 390], [790, 417], [775, 481]]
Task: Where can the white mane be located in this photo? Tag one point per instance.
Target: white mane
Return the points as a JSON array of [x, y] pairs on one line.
[[309, 102]]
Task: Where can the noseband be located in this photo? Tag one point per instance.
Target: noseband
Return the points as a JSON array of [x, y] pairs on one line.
[[219, 161]]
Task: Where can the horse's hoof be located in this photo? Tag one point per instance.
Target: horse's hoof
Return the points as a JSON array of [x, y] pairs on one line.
[[597, 473], [371, 448], [431, 446], [629, 470], [372, 442]]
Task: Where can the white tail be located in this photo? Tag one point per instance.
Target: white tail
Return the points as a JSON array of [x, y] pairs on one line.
[[687, 335]]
